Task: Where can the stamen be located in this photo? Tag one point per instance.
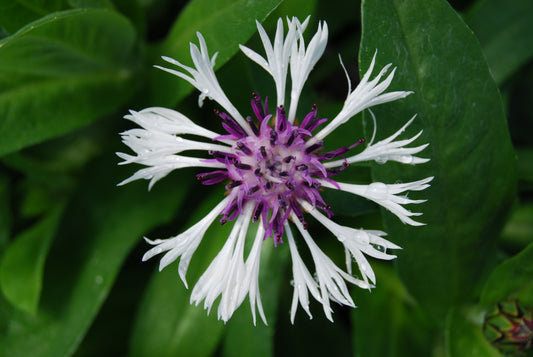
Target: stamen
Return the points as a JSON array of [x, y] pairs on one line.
[[222, 156], [230, 124], [301, 167], [258, 172], [293, 136], [252, 124], [258, 107], [253, 190], [313, 147], [233, 184], [211, 178], [281, 119], [257, 212], [263, 151], [273, 137], [282, 201], [244, 148], [289, 158], [242, 166]]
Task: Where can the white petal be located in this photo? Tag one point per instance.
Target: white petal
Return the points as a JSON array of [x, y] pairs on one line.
[[331, 279], [227, 275], [203, 78], [387, 195], [185, 244], [357, 242], [168, 121], [365, 95], [303, 281], [161, 166], [303, 61], [387, 150]]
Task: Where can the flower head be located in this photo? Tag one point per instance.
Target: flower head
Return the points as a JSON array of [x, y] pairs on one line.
[[273, 168]]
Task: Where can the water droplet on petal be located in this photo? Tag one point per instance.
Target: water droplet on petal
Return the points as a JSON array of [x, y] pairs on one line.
[[406, 159], [363, 237], [377, 190], [381, 159]]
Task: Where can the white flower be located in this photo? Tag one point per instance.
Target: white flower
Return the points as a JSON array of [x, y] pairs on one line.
[[273, 171]]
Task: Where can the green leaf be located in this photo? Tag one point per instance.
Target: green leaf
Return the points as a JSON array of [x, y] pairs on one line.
[[460, 112], [244, 339], [223, 23], [504, 31], [399, 328], [511, 279], [464, 334], [22, 264], [166, 324], [5, 212], [525, 164], [14, 14], [518, 231], [64, 71], [100, 228]]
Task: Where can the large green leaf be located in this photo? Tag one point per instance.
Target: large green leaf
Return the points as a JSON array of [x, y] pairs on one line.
[[223, 23], [101, 226], [22, 265], [464, 334], [14, 14], [5, 211], [399, 328], [513, 279], [460, 111], [63, 71], [505, 33]]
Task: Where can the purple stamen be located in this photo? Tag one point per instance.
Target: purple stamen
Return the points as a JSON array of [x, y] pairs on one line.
[[273, 167]]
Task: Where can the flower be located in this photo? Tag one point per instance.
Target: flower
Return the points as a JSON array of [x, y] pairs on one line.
[[274, 169]]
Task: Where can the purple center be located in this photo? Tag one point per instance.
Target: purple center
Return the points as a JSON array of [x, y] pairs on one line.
[[275, 168]]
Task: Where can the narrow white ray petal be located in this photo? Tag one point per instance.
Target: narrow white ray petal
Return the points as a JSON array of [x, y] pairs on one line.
[[184, 244], [151, 145], [227, 275], [277, 54], [159, 167], [356, 241], [387, 150], [366, 94], [386, 195], [302, 61], [168, 121], [302, 279], [203, 78], [331, 279], [252, 274]]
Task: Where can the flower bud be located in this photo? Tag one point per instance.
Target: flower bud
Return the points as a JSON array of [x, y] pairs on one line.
[[509, 327]]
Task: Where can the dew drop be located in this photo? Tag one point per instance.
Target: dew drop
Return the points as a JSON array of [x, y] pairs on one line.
[[406, 159], [364, 238], [377, 190], [98, 280], [381, 159], [380, 248]]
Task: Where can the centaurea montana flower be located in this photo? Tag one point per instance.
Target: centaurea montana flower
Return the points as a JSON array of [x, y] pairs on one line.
[[274, 168]]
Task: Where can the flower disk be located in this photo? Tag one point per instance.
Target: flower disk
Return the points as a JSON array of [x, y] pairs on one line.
[[273, 167]]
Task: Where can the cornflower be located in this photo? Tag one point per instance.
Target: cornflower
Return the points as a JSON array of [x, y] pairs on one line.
[[273, 168]]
